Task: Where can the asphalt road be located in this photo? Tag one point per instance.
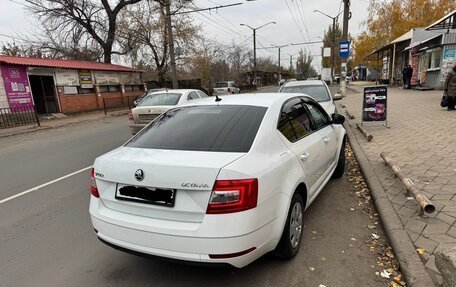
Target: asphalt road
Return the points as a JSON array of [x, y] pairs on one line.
[[47, 239]]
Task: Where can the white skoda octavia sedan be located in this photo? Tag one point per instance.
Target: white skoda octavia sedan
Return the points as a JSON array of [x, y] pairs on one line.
[[219, 180]]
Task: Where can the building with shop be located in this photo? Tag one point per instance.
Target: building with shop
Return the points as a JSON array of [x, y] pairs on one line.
[[430, 51], [66, 86]]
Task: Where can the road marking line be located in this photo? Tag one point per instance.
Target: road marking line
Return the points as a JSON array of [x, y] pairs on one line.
[[43, 185]]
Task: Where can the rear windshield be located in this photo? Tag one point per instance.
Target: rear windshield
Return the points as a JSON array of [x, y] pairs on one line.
[[221, 85], [229, 128], [317, 92], [163, 99]]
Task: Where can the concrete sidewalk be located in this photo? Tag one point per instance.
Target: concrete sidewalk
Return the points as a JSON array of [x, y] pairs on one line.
[[61, 121], [422, 141]]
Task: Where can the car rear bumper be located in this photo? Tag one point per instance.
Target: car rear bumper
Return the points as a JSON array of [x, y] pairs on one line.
[[144, 240]]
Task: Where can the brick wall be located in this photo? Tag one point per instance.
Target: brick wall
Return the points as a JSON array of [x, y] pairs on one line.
[[89, 102]]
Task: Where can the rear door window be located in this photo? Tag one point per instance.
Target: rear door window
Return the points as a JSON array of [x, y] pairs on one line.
[[227, 128], [295, 121], [161, 99], [192, 95]]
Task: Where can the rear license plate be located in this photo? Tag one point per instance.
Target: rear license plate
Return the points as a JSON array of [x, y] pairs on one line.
[[157, 196], [147, 117]]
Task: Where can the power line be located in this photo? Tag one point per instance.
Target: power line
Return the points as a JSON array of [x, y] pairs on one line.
[[208, 9], [19, 3], [294, 19]]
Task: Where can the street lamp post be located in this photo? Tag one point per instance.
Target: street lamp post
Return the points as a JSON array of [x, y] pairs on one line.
[[254, 46], [333, 44]]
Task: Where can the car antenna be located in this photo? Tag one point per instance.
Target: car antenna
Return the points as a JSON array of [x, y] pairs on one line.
[[217, 99]]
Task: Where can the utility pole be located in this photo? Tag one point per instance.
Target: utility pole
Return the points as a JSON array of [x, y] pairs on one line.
[[169, 28], [171, 44], [278, 69], [254, 48], [333, 53], [333, 44], [343, 69]]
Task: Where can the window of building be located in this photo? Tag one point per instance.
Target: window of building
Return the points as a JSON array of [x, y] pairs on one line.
[[434, 58], [85, 91], [109, 89]]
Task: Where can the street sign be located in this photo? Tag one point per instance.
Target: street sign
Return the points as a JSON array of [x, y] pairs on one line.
[[374, 104], [326, 52], [344, 49]]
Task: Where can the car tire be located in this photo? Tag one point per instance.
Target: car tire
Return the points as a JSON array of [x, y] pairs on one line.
[[340, 168], [290, 242]]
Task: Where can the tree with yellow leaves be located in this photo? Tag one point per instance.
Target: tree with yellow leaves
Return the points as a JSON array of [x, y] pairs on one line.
[[388, 20]]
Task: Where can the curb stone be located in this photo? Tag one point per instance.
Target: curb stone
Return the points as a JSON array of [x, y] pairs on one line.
[[410, 263]]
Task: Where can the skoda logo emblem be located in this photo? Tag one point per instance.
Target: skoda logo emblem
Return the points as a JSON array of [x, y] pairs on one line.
[[139, 175]]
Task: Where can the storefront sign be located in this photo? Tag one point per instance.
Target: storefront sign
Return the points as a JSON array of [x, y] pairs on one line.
[[67, 77], [16, 86], [85, 78], [106, 78], [374, 104], [130, 78]]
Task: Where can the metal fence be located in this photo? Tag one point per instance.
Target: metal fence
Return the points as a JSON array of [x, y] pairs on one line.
[[18, 116], [118, 102]]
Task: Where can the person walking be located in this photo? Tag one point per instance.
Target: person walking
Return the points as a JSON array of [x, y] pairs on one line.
[[404, 77], [450, 88], [408, 76]]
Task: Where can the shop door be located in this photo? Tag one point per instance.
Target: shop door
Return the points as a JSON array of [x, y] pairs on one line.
[[43, 90]]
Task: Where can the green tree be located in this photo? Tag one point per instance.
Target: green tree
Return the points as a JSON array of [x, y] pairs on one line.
[[328, 39], [304, 65]]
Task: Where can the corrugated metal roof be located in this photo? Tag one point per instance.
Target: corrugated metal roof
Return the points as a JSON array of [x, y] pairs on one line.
[[446, 22], [66, 64], [406, 36]]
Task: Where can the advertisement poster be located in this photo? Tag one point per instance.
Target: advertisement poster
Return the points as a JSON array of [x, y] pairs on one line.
[[374, 104], [85, 78], [17, 86], [449, 58], [106, 78], [67, 77]]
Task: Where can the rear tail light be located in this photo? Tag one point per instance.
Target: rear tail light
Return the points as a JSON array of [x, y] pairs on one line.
[[229, 90], [93, 184], [229, 196], [130, 115]]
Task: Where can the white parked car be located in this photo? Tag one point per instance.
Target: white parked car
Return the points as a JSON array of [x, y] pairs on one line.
[[317, 89], [226, 88], [218, 181], [156, 103]]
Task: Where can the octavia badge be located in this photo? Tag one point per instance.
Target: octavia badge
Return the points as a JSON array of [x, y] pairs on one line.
[[139, 175]]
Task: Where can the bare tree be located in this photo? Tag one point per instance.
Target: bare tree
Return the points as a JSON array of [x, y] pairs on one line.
[[142, 30], [83, 20]]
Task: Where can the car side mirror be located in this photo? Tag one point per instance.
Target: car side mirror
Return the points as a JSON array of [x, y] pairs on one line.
[[337, 97], [338, 119]]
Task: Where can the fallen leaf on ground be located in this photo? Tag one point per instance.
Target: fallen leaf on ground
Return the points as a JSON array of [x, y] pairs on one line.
[[385, 274], [375, 236], [353, 239], [323, 259], [312, 268], [370, 226], [389, 253], [394, 284], [321, 285], [420, 251]]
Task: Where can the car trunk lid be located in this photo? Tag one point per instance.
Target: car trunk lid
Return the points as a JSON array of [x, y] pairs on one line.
[[191, 175]]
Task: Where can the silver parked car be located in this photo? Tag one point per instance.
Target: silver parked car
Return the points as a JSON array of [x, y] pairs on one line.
[[226, 88], [317, 89], [157, 103]]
